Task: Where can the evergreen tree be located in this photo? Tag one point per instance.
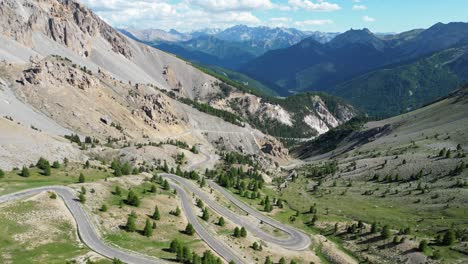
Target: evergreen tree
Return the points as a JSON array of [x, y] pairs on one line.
[[131, 225], [268, 260], [177, 211], [175, 244], [148, 230], [237, 232], [156, 215], [133, 199], [118, 190], [25, 172], [2, 173], [221, 221], [374, 228], [282, 261], [206, 214], [81, 178], [200, 203], [449, 238], [313, 220], [385, 233], [423, 246], [243, 232], [203, 182], [56, 165], [117, 261], [103, 208], [189, 230], [153, 188], [448, 155], [166, 185], [255, 246], [82, 198]]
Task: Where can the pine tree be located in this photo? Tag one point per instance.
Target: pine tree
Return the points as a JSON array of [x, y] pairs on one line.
[[81, 178], [189, 230], [374, 228], [385, 232], [25, 172], [282, 261], [313, 220], [2, 173], [56, 165], [103, 208], [202, 182], [255, 246], [268, 260], [166, 185], [448, 155], [131, 226], [243, 232], [148, 230], [423, 246], [200, 203], [156, 215], [237, 232], [221, 221], [206, 214], [118, 190], [449, 238], [82, 198], [174, 245], [176, 212], [153, 188], [133, 199]]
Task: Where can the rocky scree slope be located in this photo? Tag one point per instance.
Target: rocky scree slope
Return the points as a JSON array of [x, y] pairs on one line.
[[70, 30]]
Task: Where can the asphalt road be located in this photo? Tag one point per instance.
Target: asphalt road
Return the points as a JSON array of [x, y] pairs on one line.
[[296, 240], [86, 230], [88, 234]]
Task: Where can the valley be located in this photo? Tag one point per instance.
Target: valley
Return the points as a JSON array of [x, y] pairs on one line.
[[114, 150]]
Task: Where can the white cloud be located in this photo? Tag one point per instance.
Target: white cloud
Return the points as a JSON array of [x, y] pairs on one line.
[[279, 22], [232, 5], [359, 7], [368, 19], [312, 22], [184, 15], [320, 5]]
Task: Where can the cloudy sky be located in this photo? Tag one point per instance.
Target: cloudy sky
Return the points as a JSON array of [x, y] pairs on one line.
[[322, 15]]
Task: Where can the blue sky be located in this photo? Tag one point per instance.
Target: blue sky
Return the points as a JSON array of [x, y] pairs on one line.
[[321, 15]]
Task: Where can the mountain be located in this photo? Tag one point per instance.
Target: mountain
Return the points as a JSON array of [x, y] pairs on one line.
[[155, 35], [262, 39], [398, 172], [233, 46], [349, 57], [209, 50], [405, 87], [67, 71]]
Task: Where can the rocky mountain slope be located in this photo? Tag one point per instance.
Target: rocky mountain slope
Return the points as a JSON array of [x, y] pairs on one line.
[[65, 64]]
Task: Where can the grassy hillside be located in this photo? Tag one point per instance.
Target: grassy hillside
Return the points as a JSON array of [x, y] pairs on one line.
[[394, 90], [410, 177]]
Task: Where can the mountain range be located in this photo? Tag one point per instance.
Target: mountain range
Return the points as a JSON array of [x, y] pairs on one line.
[[227, 48], [354, 65], [73, 73]]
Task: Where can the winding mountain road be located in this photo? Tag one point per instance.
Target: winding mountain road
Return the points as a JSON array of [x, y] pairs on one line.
[[86, 229], [296, 240]]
